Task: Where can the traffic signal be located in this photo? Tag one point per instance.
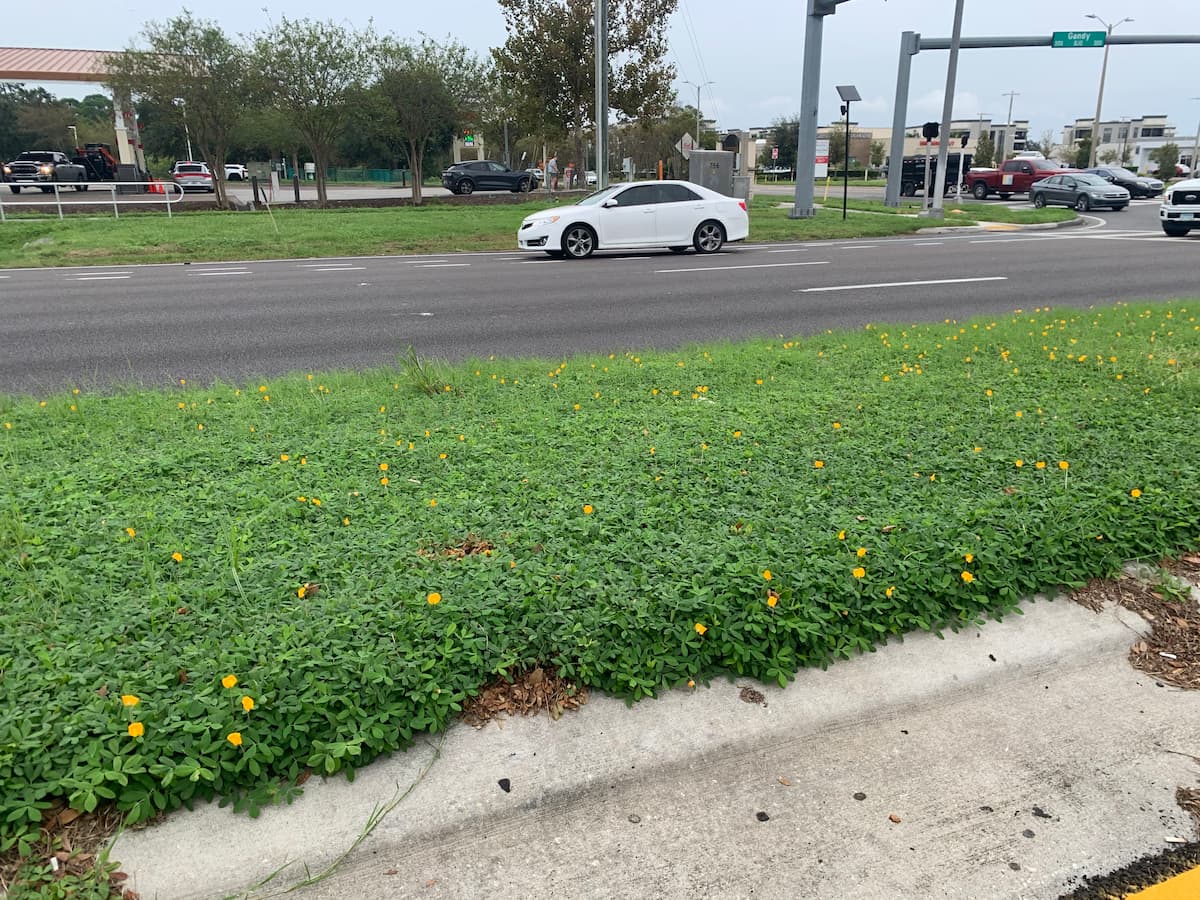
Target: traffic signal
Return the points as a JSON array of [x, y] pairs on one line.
[[930, 130], [964, 139]]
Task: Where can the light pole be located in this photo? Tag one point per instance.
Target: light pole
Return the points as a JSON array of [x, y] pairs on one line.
[[848, 93], [699, 143], [1195, 146], [186, 131], [74, 137], [1007, 127], [1100, 93]]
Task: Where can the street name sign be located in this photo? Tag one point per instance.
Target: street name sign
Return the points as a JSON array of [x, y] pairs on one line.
[[1078, 38]]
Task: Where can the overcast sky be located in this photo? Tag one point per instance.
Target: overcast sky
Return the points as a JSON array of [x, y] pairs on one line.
[[752, 49]]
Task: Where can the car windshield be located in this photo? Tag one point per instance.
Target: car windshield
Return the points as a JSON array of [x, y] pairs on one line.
[[1043, 164], [37, 157], [1123, 173], [1088, 178], [601, 196]]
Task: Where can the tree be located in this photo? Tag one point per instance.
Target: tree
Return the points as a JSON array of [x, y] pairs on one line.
[[785, 136], [878, 151], [415, 84], [985, 151], [837, 145], [547, 62], [1109, 156], [316, 70], [1083, 152], [1167, 157], [190, 68]]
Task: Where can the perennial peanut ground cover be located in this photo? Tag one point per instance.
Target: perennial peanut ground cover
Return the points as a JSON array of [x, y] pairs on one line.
[[208, 589]]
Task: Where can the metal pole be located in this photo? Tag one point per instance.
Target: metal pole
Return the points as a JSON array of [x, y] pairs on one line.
[[910, 42], [601, 31], [1007, 128], [1100, 93], [947, 112], [1195, 146], [846, 165], [806, 132]]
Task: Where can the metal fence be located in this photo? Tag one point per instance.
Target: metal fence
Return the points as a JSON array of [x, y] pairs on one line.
[[157, 193], [356, 173]]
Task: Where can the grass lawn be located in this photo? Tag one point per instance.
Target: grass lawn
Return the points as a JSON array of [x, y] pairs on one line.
[[209, 590], [298, 233]]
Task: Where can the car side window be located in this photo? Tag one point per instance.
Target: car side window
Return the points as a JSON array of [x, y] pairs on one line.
[[642, 195], [676, 193], [496, 167], [1068, 182]]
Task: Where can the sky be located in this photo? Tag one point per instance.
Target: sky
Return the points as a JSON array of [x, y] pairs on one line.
[[751, 52]]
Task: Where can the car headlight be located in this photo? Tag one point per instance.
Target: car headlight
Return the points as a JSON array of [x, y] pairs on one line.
[[46, 170], [7, 170]]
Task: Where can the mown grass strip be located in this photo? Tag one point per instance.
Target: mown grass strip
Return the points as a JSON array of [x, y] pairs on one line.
[[208, 590]]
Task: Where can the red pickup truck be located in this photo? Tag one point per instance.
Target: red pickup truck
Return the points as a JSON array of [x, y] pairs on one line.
[[1013, 177]]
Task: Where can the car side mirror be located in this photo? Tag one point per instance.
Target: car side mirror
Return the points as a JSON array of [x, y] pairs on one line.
[[610, 202]]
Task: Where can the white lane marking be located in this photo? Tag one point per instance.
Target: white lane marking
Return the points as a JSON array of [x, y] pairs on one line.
[[535, 262], [100, 277], [883, 284], [206, 274], [857, 246], [419, 262], [930, 244], [791, 250], [326, 265], [822, 262], [339, 269], [442, 266]]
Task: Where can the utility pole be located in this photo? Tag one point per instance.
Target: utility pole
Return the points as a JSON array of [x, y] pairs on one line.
[[1100, 93], [600, 29], [1195, 147], [939, 193], [1007, 127], [699, 144]]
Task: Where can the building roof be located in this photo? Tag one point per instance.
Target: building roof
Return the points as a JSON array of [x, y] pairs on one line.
[[36, 64]]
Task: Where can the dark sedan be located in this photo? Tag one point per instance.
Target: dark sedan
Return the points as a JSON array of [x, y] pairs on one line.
[[1080, 190], [1137, 185], [485, 175]]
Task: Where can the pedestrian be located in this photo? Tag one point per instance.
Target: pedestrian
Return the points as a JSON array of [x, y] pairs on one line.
[[552, 171], [570, 175]]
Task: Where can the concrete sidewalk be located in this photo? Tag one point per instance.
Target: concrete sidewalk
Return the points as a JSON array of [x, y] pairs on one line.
[[1005, 761]]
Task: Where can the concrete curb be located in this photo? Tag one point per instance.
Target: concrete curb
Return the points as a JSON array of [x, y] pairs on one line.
[[212, 852]]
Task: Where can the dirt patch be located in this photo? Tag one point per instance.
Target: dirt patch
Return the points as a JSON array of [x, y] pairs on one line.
[[528, 693], [74, 841], [470, 546], [1171, 652]]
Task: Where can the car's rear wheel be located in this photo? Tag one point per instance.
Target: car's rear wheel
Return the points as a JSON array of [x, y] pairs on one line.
[[908, 189], [46, 190], [466, 186], [522, 186], [979, 191], [1082, 203], [578, 241], [1173, 230], [1039, 200], [678, 249], [709, 237]]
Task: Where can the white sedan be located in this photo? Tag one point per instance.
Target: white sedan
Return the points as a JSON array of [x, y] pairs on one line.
[[674, 214]]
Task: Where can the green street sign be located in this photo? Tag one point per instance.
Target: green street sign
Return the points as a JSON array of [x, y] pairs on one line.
[[1078, 38]]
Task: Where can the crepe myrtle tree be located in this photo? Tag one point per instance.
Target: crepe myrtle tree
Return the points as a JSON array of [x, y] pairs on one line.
[[314, 71], [1167, 158], [547, 61], [188, 66]]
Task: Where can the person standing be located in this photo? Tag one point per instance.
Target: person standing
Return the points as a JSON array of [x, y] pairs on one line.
[[552, 171], [570, 173]]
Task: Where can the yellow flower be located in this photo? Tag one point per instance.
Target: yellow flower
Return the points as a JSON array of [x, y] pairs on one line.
[[283, 457], [691, 683], [988, 392], [136, 729], [1064, 465], [247, 703], [235, 738], [1135, 493], [132, 532], [262, 388], [767, 576], [346, 520], [859, 572], [841, 535], [229, 681], [861, 552], [177, 556], [891, 590], [300, 592], [434, 598], [818, 463], [441, 456], [837, 425], [1019, 463], [433, 501], [383, 467], [130, 700], [772, 599], [384, 481], [969, 557], [700, 628], [967, 577], [1040, 464], [316, 501], [587, 509], [1018, 414], [737, 434]]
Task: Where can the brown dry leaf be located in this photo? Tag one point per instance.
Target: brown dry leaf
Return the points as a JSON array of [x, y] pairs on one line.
[[118, 876], [67, 816], [894, 819], [130, 894], [527, 693], [309, 590], [102, 691], [62, 855], [888, 529], [391, 872], [431, 882], [861, 518], [784, 781]]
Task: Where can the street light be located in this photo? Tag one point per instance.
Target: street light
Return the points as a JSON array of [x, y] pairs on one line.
[[186, 131], [1100, 93], [699, 143], [1008, 129], [74, 136], [848, 93], [1195, 145]]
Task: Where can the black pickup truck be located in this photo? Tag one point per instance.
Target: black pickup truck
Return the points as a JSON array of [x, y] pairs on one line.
[[40, 168]]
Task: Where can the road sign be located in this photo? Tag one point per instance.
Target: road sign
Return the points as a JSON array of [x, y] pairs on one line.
[[1078, 38], [686, 144], [821, 161], [774, 153]]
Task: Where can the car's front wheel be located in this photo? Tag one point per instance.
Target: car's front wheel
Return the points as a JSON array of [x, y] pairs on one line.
[[579, 242], [466, 186], [15, 188], [1082, 203], [1173, 230], [523, 186], [709, 237], [1039, 200]]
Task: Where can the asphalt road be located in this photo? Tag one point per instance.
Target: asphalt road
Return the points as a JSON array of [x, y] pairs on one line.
[[155, 324]]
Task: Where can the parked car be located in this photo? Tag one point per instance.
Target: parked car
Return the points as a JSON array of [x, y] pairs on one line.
[[192, 176], [1081, 190], [589, 177], [1180, 209], [484, 175], [235, 172], [674, 214], [1137, 185], [38, 168]]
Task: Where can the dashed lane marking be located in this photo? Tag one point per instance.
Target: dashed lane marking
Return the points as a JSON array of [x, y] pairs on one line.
[[822, 262]]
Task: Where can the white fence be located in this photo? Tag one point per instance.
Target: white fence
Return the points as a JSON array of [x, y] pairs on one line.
[[161, 193]]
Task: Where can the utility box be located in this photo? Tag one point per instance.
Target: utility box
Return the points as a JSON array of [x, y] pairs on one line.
[[712, 169]]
